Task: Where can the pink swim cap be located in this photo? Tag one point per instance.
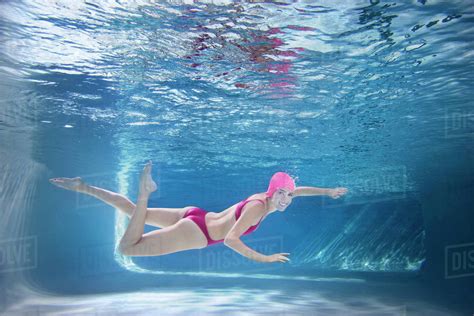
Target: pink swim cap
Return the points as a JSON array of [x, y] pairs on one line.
[[280, 180]]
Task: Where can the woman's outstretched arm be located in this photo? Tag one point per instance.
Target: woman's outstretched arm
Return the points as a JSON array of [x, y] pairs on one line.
[[232, 240], [308, 191], [136, 225]]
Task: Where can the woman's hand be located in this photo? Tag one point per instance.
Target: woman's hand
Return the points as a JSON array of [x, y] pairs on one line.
[[278, 257], [337, 192]]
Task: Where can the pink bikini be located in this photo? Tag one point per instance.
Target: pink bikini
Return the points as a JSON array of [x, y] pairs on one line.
[[198, 215]]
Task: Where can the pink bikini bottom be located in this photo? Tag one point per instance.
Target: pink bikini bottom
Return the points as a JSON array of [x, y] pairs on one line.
[[198, 216]]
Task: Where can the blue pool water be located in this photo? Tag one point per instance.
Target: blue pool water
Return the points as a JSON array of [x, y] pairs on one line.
[[375, 96]]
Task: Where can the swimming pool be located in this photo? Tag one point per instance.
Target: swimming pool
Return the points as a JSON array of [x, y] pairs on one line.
[[374, 96]]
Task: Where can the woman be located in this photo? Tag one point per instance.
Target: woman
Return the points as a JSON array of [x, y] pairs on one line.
[[194, 228]]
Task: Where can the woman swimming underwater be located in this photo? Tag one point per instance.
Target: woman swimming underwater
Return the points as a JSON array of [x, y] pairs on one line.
[[192, 227]]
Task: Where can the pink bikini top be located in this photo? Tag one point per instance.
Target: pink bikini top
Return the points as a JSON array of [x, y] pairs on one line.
[[238, 212]]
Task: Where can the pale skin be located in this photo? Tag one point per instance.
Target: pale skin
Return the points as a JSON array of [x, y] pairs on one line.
[[178, 233]]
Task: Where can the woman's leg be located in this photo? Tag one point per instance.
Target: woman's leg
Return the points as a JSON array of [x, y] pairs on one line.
[[76, 184], [184, 235], [180, 236], [159, 217], [136, 225]]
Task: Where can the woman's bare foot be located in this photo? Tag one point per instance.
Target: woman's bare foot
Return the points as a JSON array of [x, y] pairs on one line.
[[73, 184], [147, 185]]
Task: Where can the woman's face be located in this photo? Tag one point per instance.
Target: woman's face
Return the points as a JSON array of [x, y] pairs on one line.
[[282, 198]]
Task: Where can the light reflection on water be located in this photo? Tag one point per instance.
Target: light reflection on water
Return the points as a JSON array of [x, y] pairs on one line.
[[231, 301]]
